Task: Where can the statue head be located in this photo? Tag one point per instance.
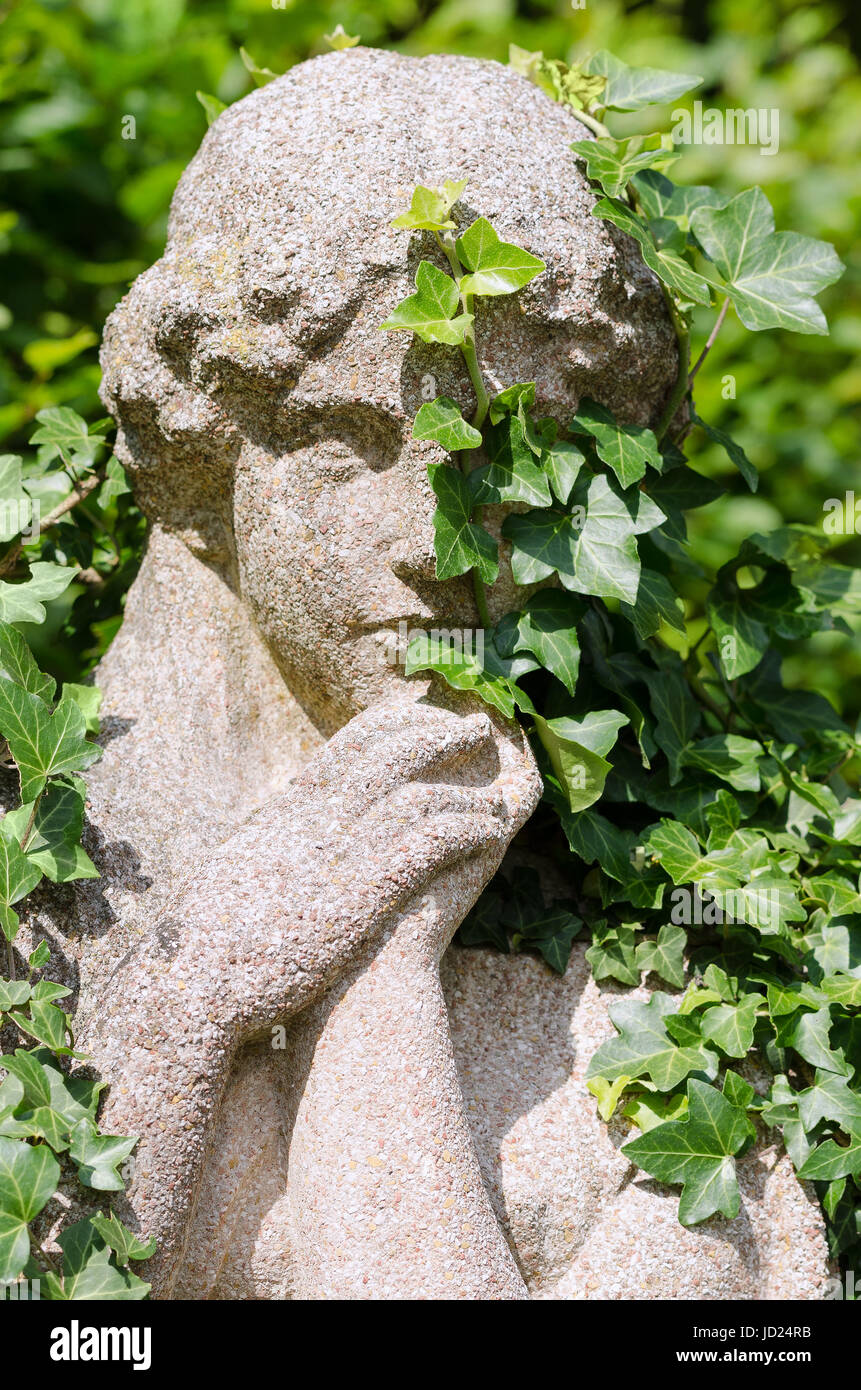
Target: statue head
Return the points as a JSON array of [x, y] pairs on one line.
[[263, 416]]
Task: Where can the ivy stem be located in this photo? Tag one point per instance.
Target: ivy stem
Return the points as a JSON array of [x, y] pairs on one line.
[[592, 123], [709, 342], [482, 399]]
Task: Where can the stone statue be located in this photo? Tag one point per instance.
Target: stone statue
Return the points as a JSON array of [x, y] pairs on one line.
[[290, 831]]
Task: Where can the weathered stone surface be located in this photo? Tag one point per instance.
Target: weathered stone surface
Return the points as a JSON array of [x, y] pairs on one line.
[[289, 831]]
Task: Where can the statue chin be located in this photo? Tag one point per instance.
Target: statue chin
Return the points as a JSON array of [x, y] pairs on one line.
[[332, 1100]]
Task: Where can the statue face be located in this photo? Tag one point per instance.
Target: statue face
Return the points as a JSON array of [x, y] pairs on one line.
[[264, 417]]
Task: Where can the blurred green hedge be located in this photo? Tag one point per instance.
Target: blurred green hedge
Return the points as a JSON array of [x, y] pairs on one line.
[[84, 208]]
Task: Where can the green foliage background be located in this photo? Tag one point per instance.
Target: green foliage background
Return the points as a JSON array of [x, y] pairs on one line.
[[83, 211]]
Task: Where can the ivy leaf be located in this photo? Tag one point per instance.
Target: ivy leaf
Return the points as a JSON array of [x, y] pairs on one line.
[[843, 989], [261, 75], [19, 665], [545, 626], [742, 639], [53, 843], [657, 602], [629, 89], [562, 462], [62, 433], [47, 1024], [512, 474], [724, 818], [829, 1161], [116, 483], [729, 756], [677, 714], [613, 163], [21, 602], [627, 449], [15, 504], [598, 556], [431, 207], [28, 1180], [613, 955], [771, 277], [442, 420], [18, 876], [98, 1156], [576, 750], [648, 1111], [482, 670], [735, 453], [431, 313], [213, 106], [644, 1047], [665, 201], [12, 993], [89, 1272], [670, 267], [498, 267], [809, 1032], [665, 956], [731, 1026], [684, 860], [126, 1245], [340, 39], [43, 743], [607, 1094], [460, 543], [698, 1153]]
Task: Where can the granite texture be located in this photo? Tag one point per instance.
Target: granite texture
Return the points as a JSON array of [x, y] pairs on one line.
[[289, 831]]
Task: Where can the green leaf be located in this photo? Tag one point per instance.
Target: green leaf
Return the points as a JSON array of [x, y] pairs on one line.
[[53, 843], [468, 667], [15, 504], [742, 639], [613, 163], [339, 39], [43, 743], [771, 277], [665, 201], [843, 989], [657, 602], [21, 602], [431, 313], [482, 925], [28, 1180], [738, 1091], [644, 1047], [562, 462], [18, 875], [735, 453], [442, 420], [684, 860], [730, 757], [63, 433], [629, 89], [730, 1026], [576, 748], [430, 208], [677, 716], [89, 1271], [648, 1111], [116, 484], [498, 267], [670, 267], [88, 698], [545, 626], [460, 544], [627, 449], [13, 993], [126, 1245], [261, 75], [211, 105], [698, 1153], [98, 1156], [40, 956], [607, 1094], [598, 556], [512, 474], [19, 665], [613, 956], [665, 956]]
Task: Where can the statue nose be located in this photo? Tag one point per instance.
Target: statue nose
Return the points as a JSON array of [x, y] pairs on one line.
[[414, 558]]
